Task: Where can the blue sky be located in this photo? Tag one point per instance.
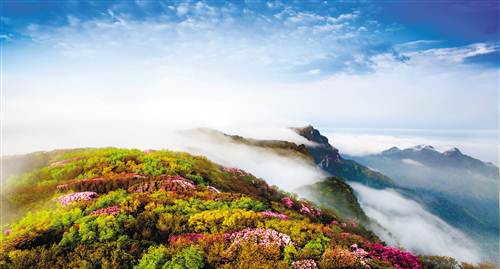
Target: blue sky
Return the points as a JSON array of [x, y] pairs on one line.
[[337, 64], [369, 28]]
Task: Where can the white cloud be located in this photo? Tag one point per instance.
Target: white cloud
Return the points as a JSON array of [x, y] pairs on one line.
[[457, 54], [411, 162], [314, 71], [182, 9], [410, 226]]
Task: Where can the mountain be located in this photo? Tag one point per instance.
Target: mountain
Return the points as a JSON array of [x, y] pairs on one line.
[[330, 160], [462, 210], [331, 192], [450, 172], [450, 159], [126, 208], [460, 189]]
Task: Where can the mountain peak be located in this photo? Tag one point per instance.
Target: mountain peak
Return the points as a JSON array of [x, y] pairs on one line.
[[391, 150], [453, 151], [311, 134], [423, 147]]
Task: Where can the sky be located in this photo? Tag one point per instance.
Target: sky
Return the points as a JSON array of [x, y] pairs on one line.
[[97, 72]]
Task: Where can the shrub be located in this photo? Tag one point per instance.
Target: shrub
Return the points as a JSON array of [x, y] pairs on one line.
[[304, 264], [316, 246], [398, 258], [188, 258], [154, 258], [339, 258]]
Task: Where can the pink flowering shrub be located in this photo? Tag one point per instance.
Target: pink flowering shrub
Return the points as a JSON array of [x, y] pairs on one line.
[[270, 214], [184, 183], [113, 210], [77, 196], [306, 209], [399, 258], [234, 170], [260, 236], [361, 254], [287, 202], [304, 264], [7, 231]]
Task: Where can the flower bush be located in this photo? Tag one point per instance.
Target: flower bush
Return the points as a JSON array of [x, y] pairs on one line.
[[112, 210], [77, 196], [340, 258], [306, 209], [399, 258], [304, 264], [287, 202], [260, 236], [233, 170], [183, 182], [270, 214], [361, 254]]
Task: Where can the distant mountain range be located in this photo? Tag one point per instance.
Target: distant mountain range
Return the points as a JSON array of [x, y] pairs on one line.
[[429, 156], [460, 189]]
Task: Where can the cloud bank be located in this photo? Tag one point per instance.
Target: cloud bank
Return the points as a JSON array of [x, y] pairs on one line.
[[410, 226]]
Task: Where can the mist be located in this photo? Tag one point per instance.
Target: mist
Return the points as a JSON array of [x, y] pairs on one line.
[[286, 172], [408, 225]]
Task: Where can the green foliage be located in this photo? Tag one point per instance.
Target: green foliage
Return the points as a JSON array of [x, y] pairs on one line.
[[101, 228], [289, 253], [154, 258], [199, 180], [188, 258], [222, 220], [111, 198], [316, 247]]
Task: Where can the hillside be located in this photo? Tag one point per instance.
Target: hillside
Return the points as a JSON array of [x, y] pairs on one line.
[[119, 208], [334, 193]]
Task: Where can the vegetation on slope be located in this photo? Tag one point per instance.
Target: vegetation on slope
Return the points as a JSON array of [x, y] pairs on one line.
[[334, 193], [120, 208]]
